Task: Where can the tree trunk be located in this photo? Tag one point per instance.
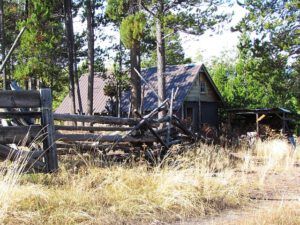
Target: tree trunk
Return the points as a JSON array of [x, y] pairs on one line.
[[135, 79], [119, 88], [135, 64], [3, 42], [77, 82], [26, 8], [70, 41], [161, 62], [90, 38]]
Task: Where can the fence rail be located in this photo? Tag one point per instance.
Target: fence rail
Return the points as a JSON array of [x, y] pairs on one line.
[[15, 109], [129, 134]]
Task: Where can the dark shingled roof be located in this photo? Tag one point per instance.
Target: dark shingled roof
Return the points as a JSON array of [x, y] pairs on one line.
[[179, 76], [99, 98]]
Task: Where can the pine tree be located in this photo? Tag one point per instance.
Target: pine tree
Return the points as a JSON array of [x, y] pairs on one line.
[[90, 13], [132, 22], [70, 44], [41, 51], [188, 16]]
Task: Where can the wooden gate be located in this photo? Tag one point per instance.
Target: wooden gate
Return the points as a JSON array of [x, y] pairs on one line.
[[21, 106]]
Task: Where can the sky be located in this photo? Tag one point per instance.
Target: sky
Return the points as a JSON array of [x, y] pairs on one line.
[[209, 45]]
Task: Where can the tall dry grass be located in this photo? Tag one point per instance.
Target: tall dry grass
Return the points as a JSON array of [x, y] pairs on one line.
[[199, 182], [278, 214], [195, 184], [277, 156], [10, 174]]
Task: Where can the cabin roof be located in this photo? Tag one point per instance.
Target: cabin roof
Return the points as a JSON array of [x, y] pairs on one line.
[[260, 110], [179, 78]]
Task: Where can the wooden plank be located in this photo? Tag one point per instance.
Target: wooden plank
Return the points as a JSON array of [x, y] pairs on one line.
[[67, 148], [47, 122], [6, 115], [13, 154], [152, 131], [165, 129], [88, 128], [177, 123], [102, 138], [169, 123], [95, 119], [9, 135], [142, 122], [257, 123], [20, 99], [12, 49]]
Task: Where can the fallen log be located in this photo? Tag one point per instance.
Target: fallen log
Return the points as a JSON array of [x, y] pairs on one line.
[[95, 119]]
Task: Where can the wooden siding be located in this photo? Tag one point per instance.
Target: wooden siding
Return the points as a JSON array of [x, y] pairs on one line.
[[194, 94]]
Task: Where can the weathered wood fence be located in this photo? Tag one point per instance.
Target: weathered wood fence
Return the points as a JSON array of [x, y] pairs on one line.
[[16, 107], [87, 132]]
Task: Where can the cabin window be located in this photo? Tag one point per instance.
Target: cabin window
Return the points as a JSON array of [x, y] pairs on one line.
[[202, 87]]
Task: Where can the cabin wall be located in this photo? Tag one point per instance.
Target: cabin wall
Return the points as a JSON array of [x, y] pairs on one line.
[[207, 102], [210, 94], [195, 95]]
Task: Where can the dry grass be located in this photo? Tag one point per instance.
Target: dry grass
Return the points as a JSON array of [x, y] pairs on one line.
[[200, 182], [283, 214], [194, 185], [10, 174]]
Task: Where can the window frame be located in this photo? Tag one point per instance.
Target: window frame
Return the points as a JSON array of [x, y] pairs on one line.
[[203, 89]]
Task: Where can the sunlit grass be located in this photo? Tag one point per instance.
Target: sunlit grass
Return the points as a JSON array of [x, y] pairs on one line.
[[202, 181], [278, 214]]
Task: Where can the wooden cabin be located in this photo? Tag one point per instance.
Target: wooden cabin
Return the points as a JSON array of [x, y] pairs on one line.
[[197, 99]]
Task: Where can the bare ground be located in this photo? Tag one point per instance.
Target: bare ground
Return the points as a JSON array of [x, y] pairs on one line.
[[278, 189]]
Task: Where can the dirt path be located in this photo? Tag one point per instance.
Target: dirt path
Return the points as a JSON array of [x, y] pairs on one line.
[[278, 189]]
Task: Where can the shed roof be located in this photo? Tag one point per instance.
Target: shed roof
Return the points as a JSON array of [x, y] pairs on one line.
[[260, 110], [268, 111], [179, 77]]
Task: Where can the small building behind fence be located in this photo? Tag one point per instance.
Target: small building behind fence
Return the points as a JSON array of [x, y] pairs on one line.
[[197, 99]]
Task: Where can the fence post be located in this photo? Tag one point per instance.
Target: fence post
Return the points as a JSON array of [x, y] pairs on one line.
[[48, 124]]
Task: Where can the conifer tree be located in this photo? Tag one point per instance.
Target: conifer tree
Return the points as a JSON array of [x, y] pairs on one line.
[[132, 22], [70, 46], [194, 17], [41, 51]]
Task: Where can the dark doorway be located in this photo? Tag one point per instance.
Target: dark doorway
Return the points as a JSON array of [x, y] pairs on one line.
[[191, 115], [209, 113]]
